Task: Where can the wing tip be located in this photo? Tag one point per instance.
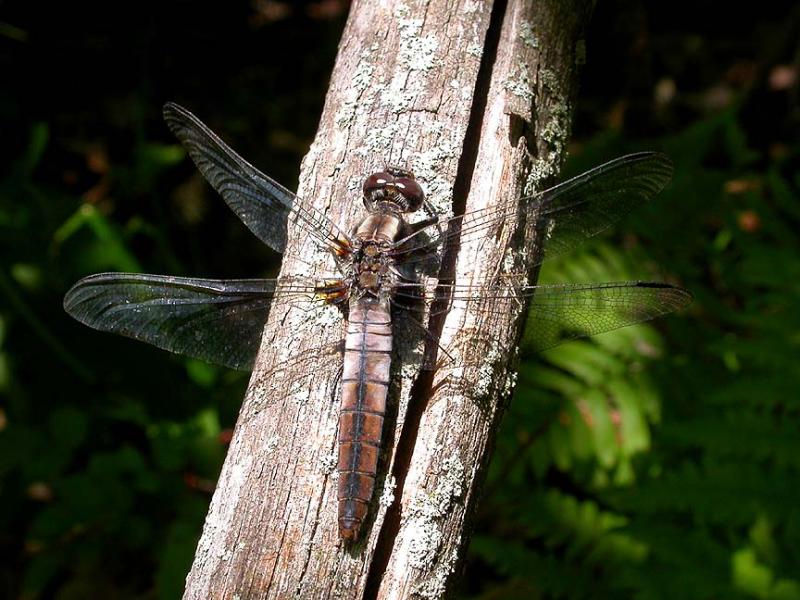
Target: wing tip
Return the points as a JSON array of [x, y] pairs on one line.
[[73, 296], [68, 303], [665, 162], [658, 159], [73, 300], [659, 166], [177, 117], [171, 108], [680, 296]]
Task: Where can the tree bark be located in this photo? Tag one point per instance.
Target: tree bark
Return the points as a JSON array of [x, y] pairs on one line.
[[475, 98]]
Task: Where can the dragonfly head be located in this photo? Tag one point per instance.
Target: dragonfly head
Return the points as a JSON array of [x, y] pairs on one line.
[[395, 187]]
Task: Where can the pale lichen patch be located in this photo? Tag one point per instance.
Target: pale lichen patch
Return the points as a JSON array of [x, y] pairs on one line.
[[352, 98], [472, 7], [475, 50], [426, 509], [399, 94], [402, 11], [541, 170], [300, 393], [486, 372], [527, 35], [429, 168], [554, 132], [510, 261], [328, 462], [419, 54], [410, 369], [326, 316], [426, 537], [399, 100], [379, 139], [363, 76], [387, 495], [510, 383], [415, 52], [271, 444], [436, 585], [451, 484], [549, 80], [519, 83]]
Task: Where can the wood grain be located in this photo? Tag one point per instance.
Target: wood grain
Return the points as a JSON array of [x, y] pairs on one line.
[[474, 97]]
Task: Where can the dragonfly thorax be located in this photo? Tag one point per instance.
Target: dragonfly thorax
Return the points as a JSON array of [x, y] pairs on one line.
[[371, 267]]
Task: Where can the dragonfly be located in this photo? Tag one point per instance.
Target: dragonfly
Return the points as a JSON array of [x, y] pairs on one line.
[[379, 265]]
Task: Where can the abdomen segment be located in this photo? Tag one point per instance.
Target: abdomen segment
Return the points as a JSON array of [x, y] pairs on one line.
[[365, 384]]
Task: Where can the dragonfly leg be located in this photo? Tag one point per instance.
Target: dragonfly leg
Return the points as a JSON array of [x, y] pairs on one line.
[[337, 383], [289, 374], [430, 361]]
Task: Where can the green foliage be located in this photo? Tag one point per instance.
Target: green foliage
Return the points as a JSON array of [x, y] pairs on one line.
[[101, 472], [663, 463], [109, 450], [658, 461]]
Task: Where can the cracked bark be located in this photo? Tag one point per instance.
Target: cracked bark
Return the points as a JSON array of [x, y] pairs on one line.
[[475, 98]]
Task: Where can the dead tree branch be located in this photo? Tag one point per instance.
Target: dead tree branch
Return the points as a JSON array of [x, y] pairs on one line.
[[475, 97]]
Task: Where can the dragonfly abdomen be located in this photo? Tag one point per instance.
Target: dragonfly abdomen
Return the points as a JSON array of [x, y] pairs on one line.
[[365, 383]]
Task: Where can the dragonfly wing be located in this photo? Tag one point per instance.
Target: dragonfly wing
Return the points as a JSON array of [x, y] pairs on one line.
[[586, 205], [566, 215], [218, 321], [558, 313], [261, 203]]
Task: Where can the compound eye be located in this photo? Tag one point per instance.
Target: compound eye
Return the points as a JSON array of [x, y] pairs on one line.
[[376, 181], [411, 190]]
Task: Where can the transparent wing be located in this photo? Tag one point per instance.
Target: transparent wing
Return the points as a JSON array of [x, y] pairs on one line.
[[559, 313], [564, 312], [568, 213], [262, 204], [218, 321], [293, 375]]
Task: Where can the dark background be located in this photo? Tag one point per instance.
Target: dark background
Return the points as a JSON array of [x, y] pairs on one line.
[[660, 461]]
